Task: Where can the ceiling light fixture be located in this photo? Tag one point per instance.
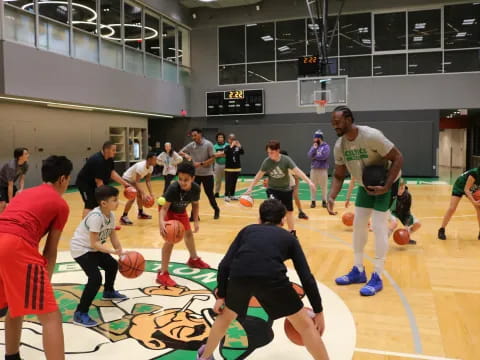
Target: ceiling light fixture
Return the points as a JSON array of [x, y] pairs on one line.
[[420, 26], [267, 38], [468, 22], [461, 34], [84, 7], [418, 38], [283, 48]]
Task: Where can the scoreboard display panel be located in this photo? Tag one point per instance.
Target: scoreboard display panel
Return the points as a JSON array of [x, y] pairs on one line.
[[235, 102]]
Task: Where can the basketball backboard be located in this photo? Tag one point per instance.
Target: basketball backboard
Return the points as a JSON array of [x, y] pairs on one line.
[[333, 89]]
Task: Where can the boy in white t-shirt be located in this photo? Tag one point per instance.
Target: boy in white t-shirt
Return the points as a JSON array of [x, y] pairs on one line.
[[133, 175], [89, 250]]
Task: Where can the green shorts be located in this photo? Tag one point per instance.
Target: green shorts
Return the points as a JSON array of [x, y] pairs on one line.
[[458, 187], [377, 202]]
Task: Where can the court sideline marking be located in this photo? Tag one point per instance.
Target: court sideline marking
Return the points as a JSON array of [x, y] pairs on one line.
[[399, 354]]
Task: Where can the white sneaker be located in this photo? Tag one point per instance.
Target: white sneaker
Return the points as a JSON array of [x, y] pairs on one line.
[[227, 198]]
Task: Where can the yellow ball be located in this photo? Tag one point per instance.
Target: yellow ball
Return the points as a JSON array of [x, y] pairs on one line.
[[161, 201]]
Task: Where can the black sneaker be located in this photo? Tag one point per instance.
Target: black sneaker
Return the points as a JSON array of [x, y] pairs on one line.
[[441, 234], [217, 195], [313, 204], [216, 216], [412, 242], [324, 204], [302, 215]]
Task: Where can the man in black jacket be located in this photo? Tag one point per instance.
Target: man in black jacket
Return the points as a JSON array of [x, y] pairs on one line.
[[232, 166]]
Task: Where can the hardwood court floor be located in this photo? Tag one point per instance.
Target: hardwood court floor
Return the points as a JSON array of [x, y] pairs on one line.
[[429, 308]]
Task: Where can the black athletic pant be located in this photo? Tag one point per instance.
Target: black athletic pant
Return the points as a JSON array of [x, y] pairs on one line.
[[168, 180], [90, 262], [231, 178], [207, 182]]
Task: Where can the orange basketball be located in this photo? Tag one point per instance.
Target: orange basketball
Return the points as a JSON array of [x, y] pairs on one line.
[[401, 236], [347, 218], [476, 195], [130, 193], [131, 264], [293, 334], [246, 200], [175, 231], [149, 201]]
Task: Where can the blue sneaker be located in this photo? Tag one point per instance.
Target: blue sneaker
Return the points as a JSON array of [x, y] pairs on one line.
[[200, 353], [353, 277], [83, 319], [374, 285], [113, 295]]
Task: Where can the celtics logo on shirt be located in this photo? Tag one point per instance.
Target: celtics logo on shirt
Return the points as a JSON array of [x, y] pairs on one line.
[[356, 154]]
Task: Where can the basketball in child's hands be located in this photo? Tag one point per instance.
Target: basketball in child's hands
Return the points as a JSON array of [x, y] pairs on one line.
[[131, 264], [348, 218], [149, 201], [476, 195], [292, 334], [174, 231], [246, 200], [401, 237], [130, 193]]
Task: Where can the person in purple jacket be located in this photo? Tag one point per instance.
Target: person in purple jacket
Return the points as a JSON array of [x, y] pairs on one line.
[[318, 154]]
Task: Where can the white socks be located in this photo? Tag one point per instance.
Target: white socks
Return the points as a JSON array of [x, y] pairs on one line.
[[360, 234], [380, 229]]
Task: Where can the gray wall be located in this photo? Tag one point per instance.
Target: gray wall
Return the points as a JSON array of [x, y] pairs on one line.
[[45, 131], [29, 72], [412, 131], [171, 8]]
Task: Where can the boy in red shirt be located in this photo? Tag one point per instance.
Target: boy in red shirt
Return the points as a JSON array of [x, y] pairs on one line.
[[25, 277]]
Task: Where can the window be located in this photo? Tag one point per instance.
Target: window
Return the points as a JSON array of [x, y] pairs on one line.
[[290, 37], [390, 31], [356, 34], [183, 51], [287, 70], [425, 63], [462, 26], [356, 66], [55, 10], [389, 64], [84, 15], [26, 5], [332, 39], [132, 26], [231, 74], [231, 44], [424, 30], [110, 19], [19, 24], [168, 34], [260, 42], [462, 60], [263, 72], [152, 43]]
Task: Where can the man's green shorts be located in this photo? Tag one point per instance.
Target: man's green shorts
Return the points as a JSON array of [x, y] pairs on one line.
[[377, 202]]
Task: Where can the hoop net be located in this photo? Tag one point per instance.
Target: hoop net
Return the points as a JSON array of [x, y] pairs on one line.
[[320, 105]]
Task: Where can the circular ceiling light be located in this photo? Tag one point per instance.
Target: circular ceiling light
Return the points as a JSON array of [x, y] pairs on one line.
[[151, 36], [84, 7]]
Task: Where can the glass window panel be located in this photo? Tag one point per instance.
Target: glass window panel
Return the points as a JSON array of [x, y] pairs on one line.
[[462, 26], [57, 10], [231, 44], [84, 15], [168, 34], [153, 66], [264, 72], [290, 39], [287, 70], [134, 61], [312, 46], [356, 66], [424, 30], [183, 47], [85, 46], [356, 34], [170, 71], [462, 60], [133, 26], [111, 54], [26, 5], [19, 26], [389, 64], [260, 42], [390, 31], [425, 63], [185, 76], [54, 36], [152, 43], [110, 19], [231, 74]]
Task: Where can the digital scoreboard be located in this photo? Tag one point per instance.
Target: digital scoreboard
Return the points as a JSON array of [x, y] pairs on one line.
[[308, 65], [235, 102]]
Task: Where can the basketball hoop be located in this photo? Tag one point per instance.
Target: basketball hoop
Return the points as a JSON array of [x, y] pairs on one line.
[[320, 104]]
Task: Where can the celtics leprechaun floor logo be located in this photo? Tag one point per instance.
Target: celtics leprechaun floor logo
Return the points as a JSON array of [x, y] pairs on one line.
[[155, 322]]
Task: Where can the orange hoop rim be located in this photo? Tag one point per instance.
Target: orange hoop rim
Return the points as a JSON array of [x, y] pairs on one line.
[[321, 102]]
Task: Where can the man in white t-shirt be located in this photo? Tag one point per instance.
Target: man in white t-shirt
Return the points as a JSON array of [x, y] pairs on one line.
[[133, 175], [357, 148]]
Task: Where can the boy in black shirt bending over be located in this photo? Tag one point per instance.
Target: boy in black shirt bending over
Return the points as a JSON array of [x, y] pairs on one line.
[[254, 266], [401, 209]]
